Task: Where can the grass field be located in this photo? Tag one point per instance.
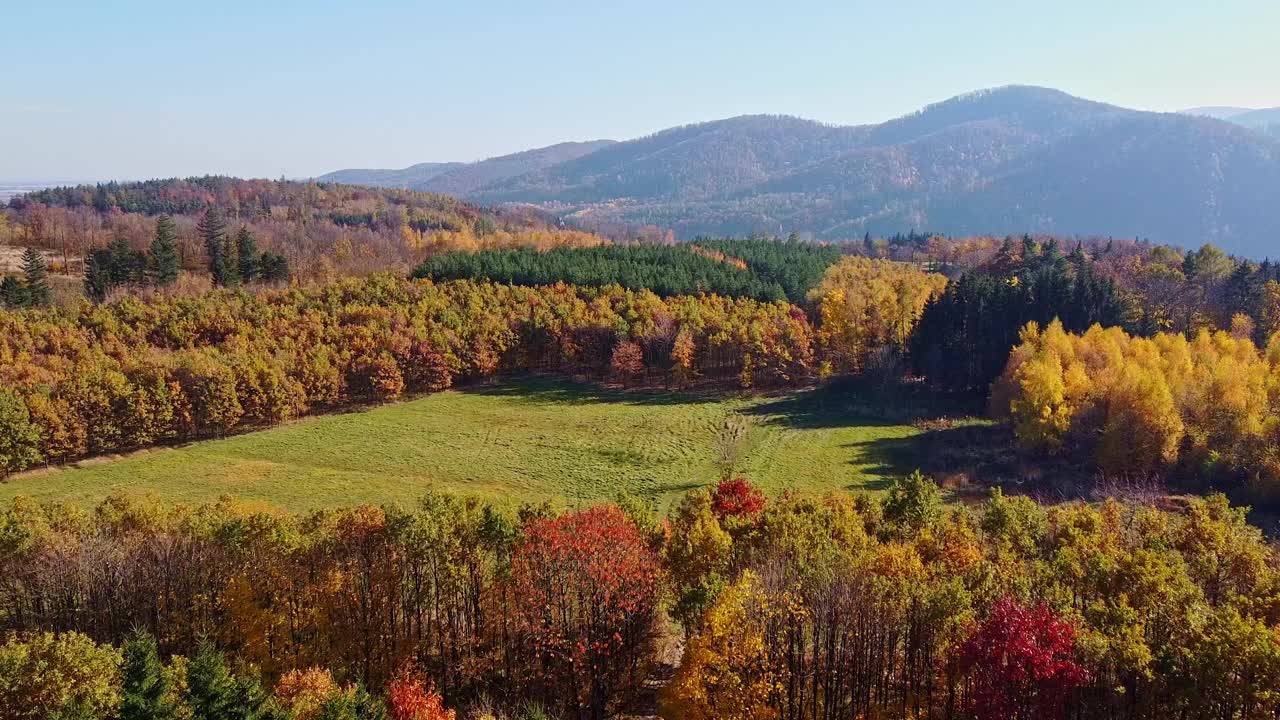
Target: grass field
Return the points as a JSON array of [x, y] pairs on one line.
[[528, 440]]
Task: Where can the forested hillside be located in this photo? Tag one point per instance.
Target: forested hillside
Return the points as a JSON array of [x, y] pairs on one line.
[[322, 230], [1009, 160], [461, 179]]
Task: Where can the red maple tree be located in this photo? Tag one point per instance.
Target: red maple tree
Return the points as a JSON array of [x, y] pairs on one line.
[[585, 586], [1021, 664], [736, 498]]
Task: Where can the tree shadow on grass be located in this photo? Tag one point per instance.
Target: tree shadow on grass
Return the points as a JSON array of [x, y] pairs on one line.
[[848, 401], [565, 391], [973, 450]]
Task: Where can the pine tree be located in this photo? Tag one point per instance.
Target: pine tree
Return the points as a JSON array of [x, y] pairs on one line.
[[164, 252], [97, 274], [37, 277], [212, 230], [273, 267], [13, 293], [145, 690], [211, 690], [247, 256]]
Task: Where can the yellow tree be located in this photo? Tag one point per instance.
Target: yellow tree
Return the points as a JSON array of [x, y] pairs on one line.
[[726, 673]]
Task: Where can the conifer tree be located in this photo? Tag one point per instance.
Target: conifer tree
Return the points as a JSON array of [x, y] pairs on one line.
[[37, 277], [12, 292], [164, 252], [145, 689], [97, 274], [211, 690], [247, 256], [212, 230]]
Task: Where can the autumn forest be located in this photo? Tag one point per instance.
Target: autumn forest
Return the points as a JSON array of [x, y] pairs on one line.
[[1082, 526]]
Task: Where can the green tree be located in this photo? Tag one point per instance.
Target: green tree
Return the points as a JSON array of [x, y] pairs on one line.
[[58, 677], [247, 260], [913, 503], [37, 277], [12, 292], [212, 230], [212, 692], [164, 252], [145, 688], [19, 437]]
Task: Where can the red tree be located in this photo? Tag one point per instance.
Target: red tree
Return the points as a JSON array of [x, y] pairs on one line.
[[409, 699], [1021, 664], [585, 589], [736, 498]]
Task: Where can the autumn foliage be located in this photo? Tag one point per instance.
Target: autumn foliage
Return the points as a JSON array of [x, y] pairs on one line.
[[409, 699], [586, 590], [1204, 407], [1022, 664]]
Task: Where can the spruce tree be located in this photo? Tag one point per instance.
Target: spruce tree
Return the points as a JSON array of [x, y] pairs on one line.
[[212, 230], [12, 292], [164, 252], [212, 692], [247, 256], [144, 688], [97, 274], [37, 277]]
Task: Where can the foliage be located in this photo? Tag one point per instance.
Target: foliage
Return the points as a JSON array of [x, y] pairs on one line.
[[145, 689], [1022, 664], [963, 338], [1203, 407], [316, 231], [130, 374], [410, 700], [585, 589], [865, 304], [44, 676], [664, 269], [815, 607]]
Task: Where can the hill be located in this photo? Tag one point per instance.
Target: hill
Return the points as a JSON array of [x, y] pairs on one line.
[[405, 178], [455, 178], [1265, 120], [1008, 160]]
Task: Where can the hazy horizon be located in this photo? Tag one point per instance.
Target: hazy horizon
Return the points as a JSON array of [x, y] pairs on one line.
[[143, 89]]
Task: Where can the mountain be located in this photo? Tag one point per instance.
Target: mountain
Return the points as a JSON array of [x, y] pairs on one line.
[[1216, 111], [405, 178], [1008, 160], [1266, 120], [464, 178]]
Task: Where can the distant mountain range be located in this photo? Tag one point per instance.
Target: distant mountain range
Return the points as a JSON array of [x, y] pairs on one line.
[[1266, 120], [455, 178], [1010, 160]]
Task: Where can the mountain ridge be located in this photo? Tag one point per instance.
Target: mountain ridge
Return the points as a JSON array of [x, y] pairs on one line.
[[1005, 160]]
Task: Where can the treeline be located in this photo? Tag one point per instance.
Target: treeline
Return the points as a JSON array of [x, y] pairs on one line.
[[1206, 409], [132, 372], [795, 265], [964, 336], [322, 230], [800, 607], [664, 269], [553, 609]]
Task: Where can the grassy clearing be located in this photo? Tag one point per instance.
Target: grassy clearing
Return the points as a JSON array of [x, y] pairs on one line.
[[528, 440]]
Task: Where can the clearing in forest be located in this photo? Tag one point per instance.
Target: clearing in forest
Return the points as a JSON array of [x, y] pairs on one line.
[[517, 441]]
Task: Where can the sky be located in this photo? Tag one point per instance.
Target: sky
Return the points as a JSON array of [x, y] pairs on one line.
[[129, 89]]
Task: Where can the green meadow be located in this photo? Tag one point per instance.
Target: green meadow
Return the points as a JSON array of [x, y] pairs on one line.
[[512, 442]]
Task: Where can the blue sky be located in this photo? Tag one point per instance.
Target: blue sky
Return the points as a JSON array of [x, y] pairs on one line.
[[131, 89]]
